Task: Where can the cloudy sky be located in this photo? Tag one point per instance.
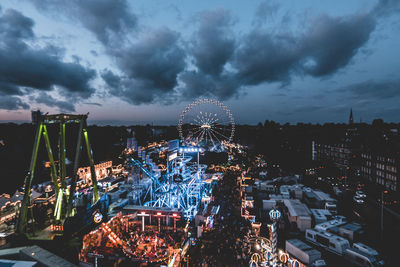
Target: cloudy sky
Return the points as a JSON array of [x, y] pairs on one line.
[[131, 61]]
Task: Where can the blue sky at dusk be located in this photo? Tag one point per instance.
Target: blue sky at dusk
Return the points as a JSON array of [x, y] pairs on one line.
[[129, 62]]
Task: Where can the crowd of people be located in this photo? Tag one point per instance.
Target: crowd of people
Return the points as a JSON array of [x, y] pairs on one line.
[[150, 245], [121, 238], [223, 245]]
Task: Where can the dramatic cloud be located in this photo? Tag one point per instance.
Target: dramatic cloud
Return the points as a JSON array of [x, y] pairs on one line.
[[386, 7], [150, 67], [24, 69], [109, 20], [93, 104], [48, 100], [197, 84], [263, 57], [326, 46], [212, 47], [214, 42], [15, 26], [8, 102], [9, 89], [331, 43]]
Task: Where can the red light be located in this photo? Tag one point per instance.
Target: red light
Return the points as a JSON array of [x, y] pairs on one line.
[[174, 215], [142, 212], [158, 213]]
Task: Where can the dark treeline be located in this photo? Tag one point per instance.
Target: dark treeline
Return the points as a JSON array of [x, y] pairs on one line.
[[284, 144]]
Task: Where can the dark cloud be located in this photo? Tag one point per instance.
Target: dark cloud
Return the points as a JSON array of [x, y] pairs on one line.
[[386, 7], [331, 43], [48, 100], [15, 26], [263, 57], [372, 89], [152, 68], [93, 104], [149, 68], [22, 66], [156, 59], [24, 69], [214, 42], [9, 89], [326, 46], [112, 80], [212, 47], [9, 102], [109, 20], [198, 84], [266, 10]]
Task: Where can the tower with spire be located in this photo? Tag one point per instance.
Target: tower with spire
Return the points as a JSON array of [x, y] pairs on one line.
[[351, 120]]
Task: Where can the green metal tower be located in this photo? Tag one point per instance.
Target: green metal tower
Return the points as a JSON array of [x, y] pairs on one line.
[[63, 194]]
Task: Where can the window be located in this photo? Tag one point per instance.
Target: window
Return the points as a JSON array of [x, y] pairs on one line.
[[309, 235], [332, 245]]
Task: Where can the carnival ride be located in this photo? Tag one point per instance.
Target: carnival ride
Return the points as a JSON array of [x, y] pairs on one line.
[[264, 251], [121, 236], [207, 123], [64, 194], [181, 187], [204, 125]]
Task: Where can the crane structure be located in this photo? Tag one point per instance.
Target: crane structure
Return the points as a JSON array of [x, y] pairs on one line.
[[64, 194]]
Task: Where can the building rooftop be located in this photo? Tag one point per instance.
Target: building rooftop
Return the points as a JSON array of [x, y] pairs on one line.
[[322, 196], [10, 252], [296, 208], [299, 244], [277, 196], [331, 236], [303, 246], [15, 263], [321, 213], [338, 221], [352, 227], [365, 254], [365, 248], [44, 257]]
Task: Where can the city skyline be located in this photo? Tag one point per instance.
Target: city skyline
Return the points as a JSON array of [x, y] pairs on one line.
[[142, 62]]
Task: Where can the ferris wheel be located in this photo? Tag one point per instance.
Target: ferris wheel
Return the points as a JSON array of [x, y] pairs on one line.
[[206, 122]]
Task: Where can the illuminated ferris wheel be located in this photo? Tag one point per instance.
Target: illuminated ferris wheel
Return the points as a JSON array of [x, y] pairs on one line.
[[207, 123]]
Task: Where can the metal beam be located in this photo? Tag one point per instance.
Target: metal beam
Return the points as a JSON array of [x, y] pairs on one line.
[[22, 219], [53, 170], [75, 171], [92, 169]]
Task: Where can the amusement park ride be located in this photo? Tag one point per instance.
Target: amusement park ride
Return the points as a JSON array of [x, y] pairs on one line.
[[265, 252], [205, 125], [63, 193], [183, 186]]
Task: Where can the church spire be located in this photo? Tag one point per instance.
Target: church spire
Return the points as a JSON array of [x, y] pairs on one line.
[[351, 116]]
